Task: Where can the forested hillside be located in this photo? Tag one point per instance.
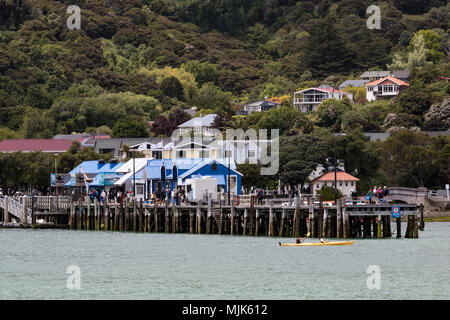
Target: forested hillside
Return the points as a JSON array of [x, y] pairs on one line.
[[144, 58], [135, 61]]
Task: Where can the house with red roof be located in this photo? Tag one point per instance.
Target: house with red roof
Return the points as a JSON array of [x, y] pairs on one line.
[[345, 182], [309, 99], [386, 87], [54, 146]]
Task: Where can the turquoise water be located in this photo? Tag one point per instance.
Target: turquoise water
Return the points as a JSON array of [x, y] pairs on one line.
[[33, 265]]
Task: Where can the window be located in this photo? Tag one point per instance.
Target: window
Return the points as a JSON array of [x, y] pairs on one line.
[[346, 183], [251, 153], [103, 151], [318, 186], [139, 189], [157, 154], [228, 154], [340, 184], [181, 154], [352, 184], [388, 88]]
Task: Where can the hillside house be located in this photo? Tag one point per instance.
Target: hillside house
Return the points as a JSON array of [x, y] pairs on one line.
[[259, 106], [199, 125], [344, 182], [377, 75], [309, 99], [384, 88]]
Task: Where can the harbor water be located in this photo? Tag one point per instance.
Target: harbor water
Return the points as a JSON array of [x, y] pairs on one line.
[[40, 264]]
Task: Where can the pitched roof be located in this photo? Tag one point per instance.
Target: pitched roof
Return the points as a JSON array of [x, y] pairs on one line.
[[326, 90], [340, 176], [30, 145], [401, 74], [205, 121], [370, 74], [353, 83], [261, 102], [377, 82], [207, 161]]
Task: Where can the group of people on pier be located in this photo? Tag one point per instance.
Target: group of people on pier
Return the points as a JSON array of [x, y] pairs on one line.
[[377, 194]]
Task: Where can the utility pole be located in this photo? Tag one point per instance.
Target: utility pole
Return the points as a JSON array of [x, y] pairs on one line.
[[229, 184], [335, 165], [335, 172], [56, 172], [134, 178]]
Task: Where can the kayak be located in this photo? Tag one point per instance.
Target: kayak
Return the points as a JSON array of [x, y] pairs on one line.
[[312, 244]]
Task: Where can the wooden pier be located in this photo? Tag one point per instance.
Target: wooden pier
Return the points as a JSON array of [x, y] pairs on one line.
[[249, 219]]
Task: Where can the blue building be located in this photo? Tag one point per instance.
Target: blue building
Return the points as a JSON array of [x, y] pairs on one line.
[[150, 175], [167, 174]]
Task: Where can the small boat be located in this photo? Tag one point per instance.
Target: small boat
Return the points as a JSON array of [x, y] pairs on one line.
[[312, 244]]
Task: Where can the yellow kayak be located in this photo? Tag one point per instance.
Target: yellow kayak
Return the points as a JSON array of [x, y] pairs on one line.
[[312, 244]]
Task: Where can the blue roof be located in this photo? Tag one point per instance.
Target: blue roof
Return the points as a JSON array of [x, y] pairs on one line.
[[207, 161], [94, 167], [88, 167]]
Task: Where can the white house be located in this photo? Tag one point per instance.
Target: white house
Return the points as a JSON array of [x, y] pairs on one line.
[[199, 125], [309, 99], [384, 88], [344, 182]]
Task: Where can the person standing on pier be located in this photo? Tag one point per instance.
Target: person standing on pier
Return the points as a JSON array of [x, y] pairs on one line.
[[103, 196], [260, 196]]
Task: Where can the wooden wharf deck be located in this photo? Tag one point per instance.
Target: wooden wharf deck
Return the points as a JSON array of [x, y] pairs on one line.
[[249, 219]]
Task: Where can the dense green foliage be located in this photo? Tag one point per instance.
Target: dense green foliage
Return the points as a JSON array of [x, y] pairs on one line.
[[135, 61], [147, 57]]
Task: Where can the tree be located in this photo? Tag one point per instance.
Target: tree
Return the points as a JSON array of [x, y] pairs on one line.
[[172, 87], [355, 152], [203, 72], [416, 57], [129, 127], [165, 126], [432, 44], [330, 112], [327, 193], [252, 177], [37, 125], [210, 96], [327, 52], [38, 97], [285, 119], [299, 156], [414, 160], [415, 100]]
